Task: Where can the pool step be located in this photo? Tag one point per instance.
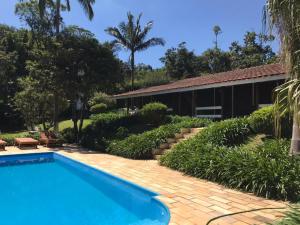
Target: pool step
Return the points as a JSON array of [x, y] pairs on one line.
[[185, 133]]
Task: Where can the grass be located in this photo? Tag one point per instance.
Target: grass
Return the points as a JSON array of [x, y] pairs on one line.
[[10, 137], [13, 134], [69, 124], [62, 125]]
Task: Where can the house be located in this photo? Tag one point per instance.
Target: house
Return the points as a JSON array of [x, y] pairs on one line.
[[221, 95]]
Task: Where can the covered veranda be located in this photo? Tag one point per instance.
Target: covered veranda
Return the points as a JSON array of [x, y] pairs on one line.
[[224, 95]]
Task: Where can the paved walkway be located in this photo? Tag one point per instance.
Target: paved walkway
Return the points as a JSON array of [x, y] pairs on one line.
[[191, 201]]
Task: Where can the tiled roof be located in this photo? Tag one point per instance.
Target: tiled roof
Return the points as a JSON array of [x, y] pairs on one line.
[[229, 76]]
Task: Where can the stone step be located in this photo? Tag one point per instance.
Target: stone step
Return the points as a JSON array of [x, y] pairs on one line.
[[171, 140], [157, 157], [185, 133]]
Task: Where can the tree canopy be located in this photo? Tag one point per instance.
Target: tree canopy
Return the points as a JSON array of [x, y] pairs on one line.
[[181, 63]]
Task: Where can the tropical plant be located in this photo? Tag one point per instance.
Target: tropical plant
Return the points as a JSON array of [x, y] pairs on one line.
[[283, 15], [217, 30], [131, 36], [292, 217]]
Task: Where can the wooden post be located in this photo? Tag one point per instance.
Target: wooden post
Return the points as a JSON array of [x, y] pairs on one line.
[[253, 95], [257, 95], [193, 103], [127, 105], [214, 100], [222, 101], [179, 103], [232, 101]]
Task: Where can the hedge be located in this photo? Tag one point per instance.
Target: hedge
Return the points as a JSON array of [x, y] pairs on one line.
[[229, 132], [103, 128], [98, 108], [154, 112], [140, 146], [262, 121], [266, 170]]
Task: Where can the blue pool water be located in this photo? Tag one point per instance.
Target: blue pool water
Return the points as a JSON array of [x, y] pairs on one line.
[[48, 189]]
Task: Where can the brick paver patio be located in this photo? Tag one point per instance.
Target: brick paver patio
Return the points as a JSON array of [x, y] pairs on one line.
[[191, 201]]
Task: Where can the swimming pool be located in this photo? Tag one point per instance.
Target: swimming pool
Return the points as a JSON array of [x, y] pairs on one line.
[[48, 188]]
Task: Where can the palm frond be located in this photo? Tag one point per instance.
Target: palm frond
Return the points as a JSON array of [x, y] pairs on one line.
[[42, 7], [68, 6], [284, 17], [87, 6], [143, 33], [119, 38], [151, 42], [287, 98]]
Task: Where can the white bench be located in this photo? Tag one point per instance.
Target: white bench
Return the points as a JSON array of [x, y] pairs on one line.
[[199, 112], [263, 105]]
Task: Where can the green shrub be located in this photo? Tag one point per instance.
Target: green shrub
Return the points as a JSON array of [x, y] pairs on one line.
[[140, 146], [262, 121], [68, 135], [154, 113], [122, 132], [266, 171], [103, 128], [229, 132], [292, 217], [102, 98], [98, 108]]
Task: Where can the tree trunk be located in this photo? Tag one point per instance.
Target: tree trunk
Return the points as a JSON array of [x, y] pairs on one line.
[[81, 121], [75, 121], [295, 143], [75, 125], [55, 113], [132, 69], [132, 75], [57, 29]]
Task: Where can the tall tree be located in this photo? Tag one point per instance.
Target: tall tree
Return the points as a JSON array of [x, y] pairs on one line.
[[132, 36], [284, 16], [87, 7], [13, 55], [87, 66], [217, 31], [217, 60], [254, 51], [181, 62]]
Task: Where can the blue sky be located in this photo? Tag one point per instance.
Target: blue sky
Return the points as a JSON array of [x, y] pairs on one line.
[[174, 20]]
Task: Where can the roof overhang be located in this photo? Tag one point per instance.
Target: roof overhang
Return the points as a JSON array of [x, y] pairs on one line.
[[206, 86]]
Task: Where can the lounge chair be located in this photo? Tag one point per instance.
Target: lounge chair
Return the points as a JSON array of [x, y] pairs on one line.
[[26, 142], [2, 145], [49, 139]]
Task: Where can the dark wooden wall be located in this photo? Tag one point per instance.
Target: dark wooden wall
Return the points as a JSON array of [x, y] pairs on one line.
[[236, 100]]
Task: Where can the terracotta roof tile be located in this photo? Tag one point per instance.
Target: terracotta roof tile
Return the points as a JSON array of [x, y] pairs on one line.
[[234, 75]]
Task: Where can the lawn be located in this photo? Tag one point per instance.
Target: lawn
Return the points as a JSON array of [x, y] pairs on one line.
[[69, 124], [9, 137]]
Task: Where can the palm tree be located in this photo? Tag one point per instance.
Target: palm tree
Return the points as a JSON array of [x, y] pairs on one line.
[[130, 35], [217, 30], [284, 16], [88, 9]]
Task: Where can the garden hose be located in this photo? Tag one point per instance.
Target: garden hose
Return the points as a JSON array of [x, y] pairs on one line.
[[240, 212]]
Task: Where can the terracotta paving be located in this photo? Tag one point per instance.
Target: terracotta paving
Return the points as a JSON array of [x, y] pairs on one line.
[[191, 201]]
